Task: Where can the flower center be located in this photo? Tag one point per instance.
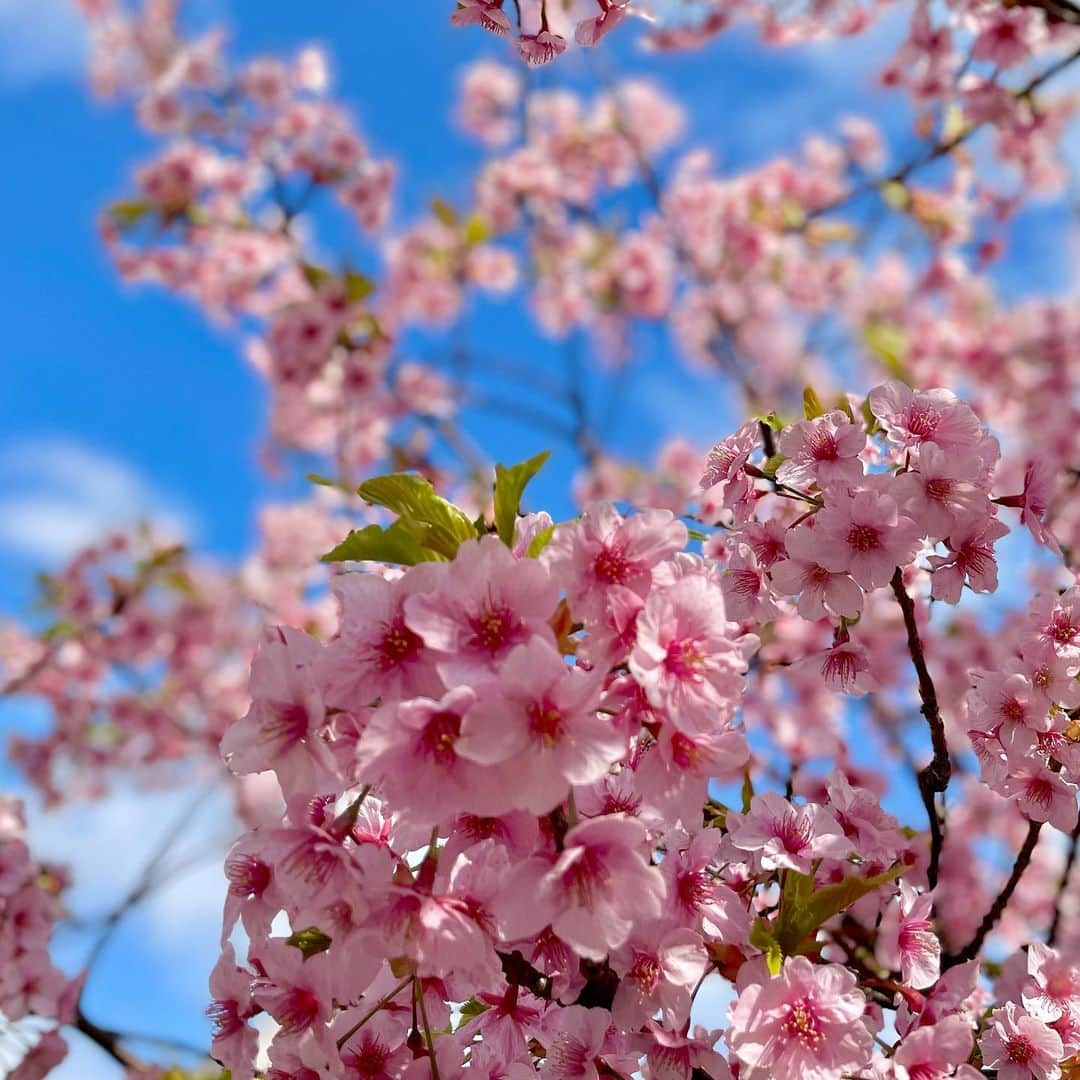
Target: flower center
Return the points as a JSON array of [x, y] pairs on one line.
[[492, 629], [439, 736], [684, 660], [546, 723], [863, 538], [801, 1024], [397, 645], [1019, 1050], [612, 566]]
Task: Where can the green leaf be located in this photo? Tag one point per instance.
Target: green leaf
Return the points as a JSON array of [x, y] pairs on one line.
[[401, 544], [416, 502], [772, 419], [540, 541], [871, 421], [444, 212], [470, 1009], [126, 214], [477, 230], [357, 286], [774, 463], [804, 910], [696, 534], [763, 938], [747, 791], [811, 404], [310, 942], [888, 342], [315, 275], [510, 484]]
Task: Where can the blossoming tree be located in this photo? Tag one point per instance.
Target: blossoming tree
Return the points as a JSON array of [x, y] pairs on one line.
[[511, 789]]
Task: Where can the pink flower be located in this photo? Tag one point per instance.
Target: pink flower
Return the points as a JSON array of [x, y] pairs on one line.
[[940, 493], [602, 549], [485, 13], [1020, 1047], [819, 590], [746, 587], [786, 836], [39, 1062], [279, 731], [542, 48], [539, 733], [234, 1042], [687, 657], [912, 417], [375, 655], [804, 1024], [593, 894], [1040, 792], [660, 967], [589, 32], [1040, 481], [845, 667], [906, 939], [823, 451], [486, 603], [411, 748], [971, 561], [1052, 988], [936, 1049], [866, 536], [574, 1037]]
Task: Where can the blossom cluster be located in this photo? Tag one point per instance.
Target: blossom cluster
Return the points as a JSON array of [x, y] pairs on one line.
[[29, 909]]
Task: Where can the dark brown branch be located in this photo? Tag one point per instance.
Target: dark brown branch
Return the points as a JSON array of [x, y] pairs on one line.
[[109, 1041], [990, 919], [934, 776], [1070, 862]]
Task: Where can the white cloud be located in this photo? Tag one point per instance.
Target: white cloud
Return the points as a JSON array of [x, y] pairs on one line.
[[40, 40], [57, 495]]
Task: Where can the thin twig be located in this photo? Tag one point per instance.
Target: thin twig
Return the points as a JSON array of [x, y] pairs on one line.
[[1070, 861], [380, 1004], [989, 921], [934, 776]]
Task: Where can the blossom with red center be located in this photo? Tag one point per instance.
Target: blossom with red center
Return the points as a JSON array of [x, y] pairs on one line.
[[935, 1050], [786, 836], [823, 451], [688, 657], [296, 991], [234, 1042], [603, 550], [410, 750], [486, 603], [971, 560], [574, 1038], [846, 667], [1052, 988], [866, 536], [279, 730], [819, 590], [906, 939], [942, 492], [913, 417], [1039, 792], [537, 733], [376, 656], [804, 1024], [1020, 1047], [593, 894], [660, 967]]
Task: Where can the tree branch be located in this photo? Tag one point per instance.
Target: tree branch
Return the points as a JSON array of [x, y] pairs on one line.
[[989, 921], [1070, 861], [934, 776]]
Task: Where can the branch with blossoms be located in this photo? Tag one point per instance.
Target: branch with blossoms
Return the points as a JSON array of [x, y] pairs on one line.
[[494, 744]]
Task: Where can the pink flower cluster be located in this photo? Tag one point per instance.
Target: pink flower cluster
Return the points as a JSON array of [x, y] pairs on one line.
[[30, 986]]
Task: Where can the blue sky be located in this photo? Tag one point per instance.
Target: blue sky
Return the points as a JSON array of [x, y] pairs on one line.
[[115, 403]]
